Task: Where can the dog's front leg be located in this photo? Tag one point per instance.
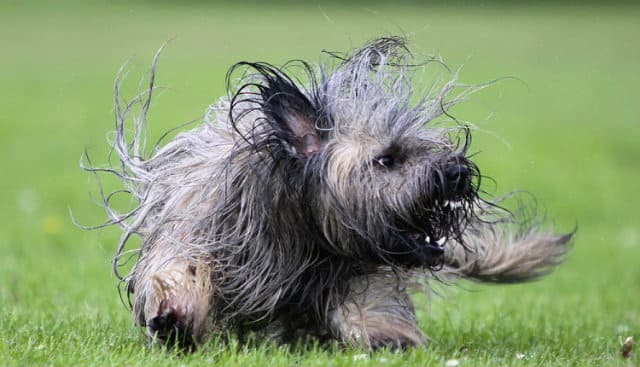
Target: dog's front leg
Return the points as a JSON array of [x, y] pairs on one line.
[[172, 298], [376, 313]]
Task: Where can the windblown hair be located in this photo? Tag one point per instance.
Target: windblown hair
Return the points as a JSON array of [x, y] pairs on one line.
[[291, 187]]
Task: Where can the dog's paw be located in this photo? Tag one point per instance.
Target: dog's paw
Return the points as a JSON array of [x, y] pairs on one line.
[[393, 343], [397, 340], [171, 326], [394, 336]]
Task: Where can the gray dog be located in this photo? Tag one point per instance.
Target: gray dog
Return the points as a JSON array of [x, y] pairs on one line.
[[310, 208]]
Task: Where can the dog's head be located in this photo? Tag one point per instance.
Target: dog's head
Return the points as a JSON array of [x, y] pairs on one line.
[[378, 180]]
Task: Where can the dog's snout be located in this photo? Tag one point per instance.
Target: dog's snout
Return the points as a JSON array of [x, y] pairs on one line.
[[456, 172], [457, 178]]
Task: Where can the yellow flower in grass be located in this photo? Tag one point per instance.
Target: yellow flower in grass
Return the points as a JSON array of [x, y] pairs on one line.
[[52, 225]]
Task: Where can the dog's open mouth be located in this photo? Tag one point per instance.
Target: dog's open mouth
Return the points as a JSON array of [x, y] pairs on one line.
[[426, 246], [435, 246]]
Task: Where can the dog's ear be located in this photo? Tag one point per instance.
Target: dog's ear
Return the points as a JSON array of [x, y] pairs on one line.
[[286, 106], [292, 116]]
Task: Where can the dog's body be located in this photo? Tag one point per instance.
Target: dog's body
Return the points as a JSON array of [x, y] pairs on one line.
[[309, 210]]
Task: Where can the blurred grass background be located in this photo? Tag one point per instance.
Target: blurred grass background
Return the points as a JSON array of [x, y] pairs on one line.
[[567, 131]]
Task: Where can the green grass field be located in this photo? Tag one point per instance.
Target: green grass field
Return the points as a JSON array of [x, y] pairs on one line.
[[568, 131]]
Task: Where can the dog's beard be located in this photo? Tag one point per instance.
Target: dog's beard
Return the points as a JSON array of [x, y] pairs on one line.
[[439, 218], [422, 242]]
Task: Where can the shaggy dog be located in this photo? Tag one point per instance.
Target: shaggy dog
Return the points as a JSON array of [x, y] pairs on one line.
[[310, 207]]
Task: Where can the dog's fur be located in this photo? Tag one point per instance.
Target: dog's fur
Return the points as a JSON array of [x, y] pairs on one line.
[[310, 208]]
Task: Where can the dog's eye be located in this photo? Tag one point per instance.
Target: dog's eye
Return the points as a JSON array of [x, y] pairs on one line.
[[385, 160]]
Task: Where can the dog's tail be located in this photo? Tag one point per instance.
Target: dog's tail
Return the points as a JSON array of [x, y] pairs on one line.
[[503, 252]]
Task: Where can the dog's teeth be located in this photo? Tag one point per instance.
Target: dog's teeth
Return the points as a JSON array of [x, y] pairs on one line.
[[441, 241], [455, 204], [427, 239]]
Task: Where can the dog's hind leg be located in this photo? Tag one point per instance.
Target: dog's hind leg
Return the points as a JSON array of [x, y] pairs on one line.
[[173, 301], [376, 313]]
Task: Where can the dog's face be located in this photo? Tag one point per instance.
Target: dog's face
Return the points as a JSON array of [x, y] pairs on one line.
[[379, 181], [396, 197]]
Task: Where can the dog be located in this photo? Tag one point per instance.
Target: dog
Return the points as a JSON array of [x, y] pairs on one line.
[[310, 206]]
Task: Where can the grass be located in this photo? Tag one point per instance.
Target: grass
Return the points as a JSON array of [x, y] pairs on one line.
[[567, 132]]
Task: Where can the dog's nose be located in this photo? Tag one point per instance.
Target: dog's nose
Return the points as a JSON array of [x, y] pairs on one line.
[[457, 178]]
